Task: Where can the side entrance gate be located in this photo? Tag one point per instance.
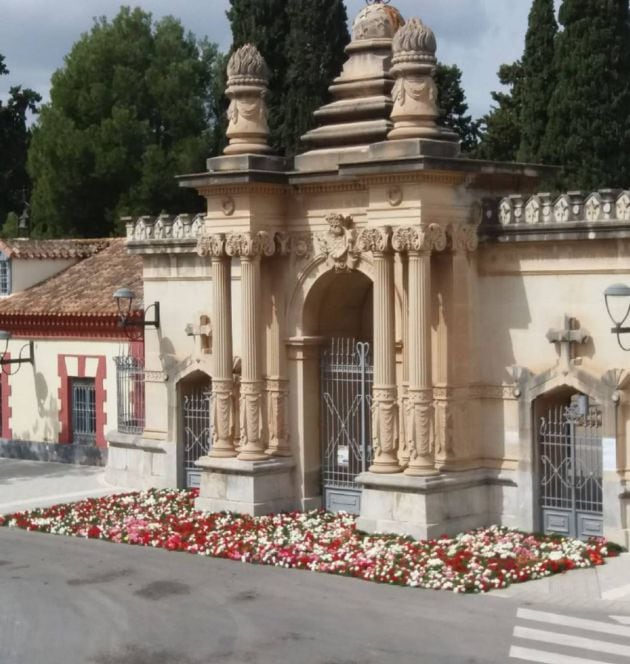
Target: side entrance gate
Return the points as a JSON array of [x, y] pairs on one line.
[[571, 469], [346, 422], [197, 430]]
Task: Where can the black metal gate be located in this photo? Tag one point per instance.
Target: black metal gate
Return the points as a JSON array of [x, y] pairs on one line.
[[571, 469], [197, 430], [346, 422], [83, 404]]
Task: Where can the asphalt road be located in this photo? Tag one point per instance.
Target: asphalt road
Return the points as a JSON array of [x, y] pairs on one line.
[[70, 601]]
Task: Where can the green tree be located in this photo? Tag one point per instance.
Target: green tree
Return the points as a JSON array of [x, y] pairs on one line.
[[314, 52], [14, 139], [588, 132], [133, 105], [538, 79], [303, 43], [500, 130], [453, 107]]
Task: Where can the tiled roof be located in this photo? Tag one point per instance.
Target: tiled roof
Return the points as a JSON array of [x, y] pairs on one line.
[[84, 289], [23, 248]]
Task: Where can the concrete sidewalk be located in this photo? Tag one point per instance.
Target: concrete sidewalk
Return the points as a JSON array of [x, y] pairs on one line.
[[605, 588], [25, 485]]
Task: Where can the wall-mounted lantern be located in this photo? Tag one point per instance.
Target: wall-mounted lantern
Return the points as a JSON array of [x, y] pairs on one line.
[[124, 300], [617, 299], [20, 359]]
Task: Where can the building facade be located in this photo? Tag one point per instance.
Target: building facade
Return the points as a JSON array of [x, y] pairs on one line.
[[381, 325]]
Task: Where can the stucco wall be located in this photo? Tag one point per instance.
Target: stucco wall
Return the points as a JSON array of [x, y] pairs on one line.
[[37, 391], [27, 273]]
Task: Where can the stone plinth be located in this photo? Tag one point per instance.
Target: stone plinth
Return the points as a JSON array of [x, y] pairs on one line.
[[246, 487], [427, 507]]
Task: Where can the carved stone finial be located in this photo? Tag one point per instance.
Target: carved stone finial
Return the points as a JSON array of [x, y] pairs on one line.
[[376, 21], [248, 76], [415, 92], [415, 41]]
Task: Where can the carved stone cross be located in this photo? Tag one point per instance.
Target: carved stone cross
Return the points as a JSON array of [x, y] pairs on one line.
[[568, 337], [202, 333]]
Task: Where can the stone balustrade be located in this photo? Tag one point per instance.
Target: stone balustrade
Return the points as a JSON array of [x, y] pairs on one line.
[[165, 227], [605, 205]]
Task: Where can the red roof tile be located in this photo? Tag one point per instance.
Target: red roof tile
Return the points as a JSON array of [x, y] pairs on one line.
[[25, 248]]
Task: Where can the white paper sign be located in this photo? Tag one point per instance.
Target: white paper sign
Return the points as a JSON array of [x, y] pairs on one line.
[[609, 446], [343, 456]]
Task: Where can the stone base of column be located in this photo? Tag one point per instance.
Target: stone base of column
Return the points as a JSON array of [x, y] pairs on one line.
[[421, 467], [246, 487], [427, 507]]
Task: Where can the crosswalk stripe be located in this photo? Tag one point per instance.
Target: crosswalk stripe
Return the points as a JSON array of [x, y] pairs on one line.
[[567, 621], [542, 657], [617, 593], [624, 620], [572, 641]]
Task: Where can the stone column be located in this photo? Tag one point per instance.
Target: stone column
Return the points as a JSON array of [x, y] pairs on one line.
[[420, 243], [222, 356], [385, 405], [250, 247]]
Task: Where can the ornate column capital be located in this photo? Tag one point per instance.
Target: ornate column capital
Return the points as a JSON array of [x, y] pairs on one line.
[[464, 238], [376, 240], [212, 245], [419, 239], [250, 245]]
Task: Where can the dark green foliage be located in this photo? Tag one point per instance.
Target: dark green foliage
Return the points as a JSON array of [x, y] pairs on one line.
[[132, 106], [538, 79], [14, 139], [303, 43], [315, 55], [453, 106], [501, 128], [589, 116]]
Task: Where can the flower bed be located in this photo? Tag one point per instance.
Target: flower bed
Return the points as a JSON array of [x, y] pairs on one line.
[[476, 561]]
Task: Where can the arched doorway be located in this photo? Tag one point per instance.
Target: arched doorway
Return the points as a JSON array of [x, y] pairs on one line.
[[568, 426], [195, 398], [340, 311]]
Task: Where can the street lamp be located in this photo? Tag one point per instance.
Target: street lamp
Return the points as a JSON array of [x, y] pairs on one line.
[[124, 300], [617, 299], [6, 337]]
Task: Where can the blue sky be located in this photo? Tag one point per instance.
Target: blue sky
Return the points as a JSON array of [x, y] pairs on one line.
[[477, 35]]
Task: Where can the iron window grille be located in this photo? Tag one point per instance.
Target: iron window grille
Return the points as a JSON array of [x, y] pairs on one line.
[[83, 405], [5, 275], [130, 387]]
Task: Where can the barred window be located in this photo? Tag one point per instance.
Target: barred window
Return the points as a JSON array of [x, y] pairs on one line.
[[5, 275], [83, 404], [130, 388]]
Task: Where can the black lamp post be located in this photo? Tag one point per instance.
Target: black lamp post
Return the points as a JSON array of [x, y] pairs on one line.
[[124, 300], [617, 299], [6, 337]]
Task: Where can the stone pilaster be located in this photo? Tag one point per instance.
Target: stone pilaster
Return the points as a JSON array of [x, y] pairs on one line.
[[222, 382], [385, 405], [420, 242], [250, 247]]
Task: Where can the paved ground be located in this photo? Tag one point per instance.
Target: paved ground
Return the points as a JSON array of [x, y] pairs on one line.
[[89, 602], [28, 484]]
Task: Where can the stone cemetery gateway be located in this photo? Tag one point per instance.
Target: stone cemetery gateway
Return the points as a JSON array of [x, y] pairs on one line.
[[380, 325]]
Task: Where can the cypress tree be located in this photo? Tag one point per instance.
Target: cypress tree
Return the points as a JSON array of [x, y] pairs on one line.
[[303, 43], [263, 23], [453, 106], [538, 80], [588, 133], [314, 51]]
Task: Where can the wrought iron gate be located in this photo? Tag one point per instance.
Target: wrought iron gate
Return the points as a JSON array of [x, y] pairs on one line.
[[346, 421], [197, 430], [571, 469], [83, 403]]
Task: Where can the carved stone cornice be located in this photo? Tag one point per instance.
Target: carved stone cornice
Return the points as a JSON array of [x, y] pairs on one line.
[[419, 239], [250, 245], [376, 240]]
